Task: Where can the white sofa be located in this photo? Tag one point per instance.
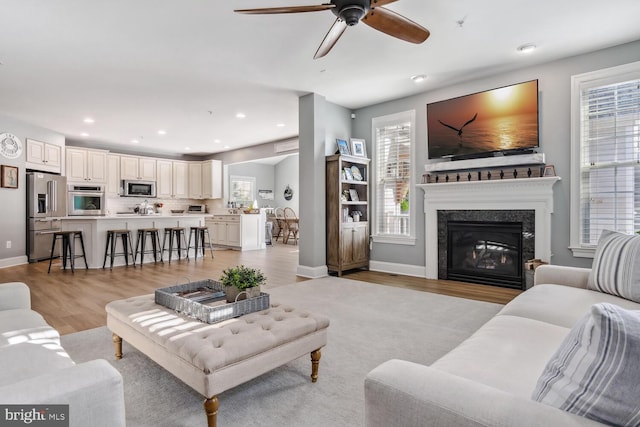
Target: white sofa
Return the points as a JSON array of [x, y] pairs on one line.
[[488, 380], [36, 370]]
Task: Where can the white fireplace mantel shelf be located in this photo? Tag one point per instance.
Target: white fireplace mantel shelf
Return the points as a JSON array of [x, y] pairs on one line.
[[504, 194]]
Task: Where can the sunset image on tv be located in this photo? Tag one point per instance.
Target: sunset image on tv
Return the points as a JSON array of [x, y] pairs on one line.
[[501, 119]]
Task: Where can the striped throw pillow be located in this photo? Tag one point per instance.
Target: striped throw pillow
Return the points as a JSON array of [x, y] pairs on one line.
[[595, 373], [616, 266]]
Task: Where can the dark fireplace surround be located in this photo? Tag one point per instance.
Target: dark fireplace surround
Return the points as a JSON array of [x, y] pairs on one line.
[[491, 246]]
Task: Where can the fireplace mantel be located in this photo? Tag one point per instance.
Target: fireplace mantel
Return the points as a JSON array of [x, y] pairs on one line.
[[504, 194]]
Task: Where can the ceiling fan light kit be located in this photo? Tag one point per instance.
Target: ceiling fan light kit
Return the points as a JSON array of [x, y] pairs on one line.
[[349, 13]]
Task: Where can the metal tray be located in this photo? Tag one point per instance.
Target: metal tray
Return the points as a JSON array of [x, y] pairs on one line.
[[169, 297]]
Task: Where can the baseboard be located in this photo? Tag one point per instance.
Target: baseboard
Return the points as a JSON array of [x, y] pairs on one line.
[[11, 262], [312, 272], [393, 268]]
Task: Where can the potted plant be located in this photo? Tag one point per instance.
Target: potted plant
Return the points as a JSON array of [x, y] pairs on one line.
[[241, 282]]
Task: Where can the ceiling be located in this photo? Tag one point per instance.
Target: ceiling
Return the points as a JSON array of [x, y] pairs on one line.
[[189, 66]]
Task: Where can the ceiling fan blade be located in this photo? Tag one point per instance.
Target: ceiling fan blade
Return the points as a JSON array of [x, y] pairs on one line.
[[396, 25], [331, 38], [285, 9], [378, 3]]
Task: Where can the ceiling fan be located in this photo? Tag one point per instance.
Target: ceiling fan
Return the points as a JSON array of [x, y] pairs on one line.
[[349, 13]]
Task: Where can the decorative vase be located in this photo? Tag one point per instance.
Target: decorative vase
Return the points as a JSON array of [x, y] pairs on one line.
[[253, 292]]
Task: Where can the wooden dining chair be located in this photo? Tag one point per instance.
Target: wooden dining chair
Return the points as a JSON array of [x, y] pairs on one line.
[[291, 225], [278, 224]]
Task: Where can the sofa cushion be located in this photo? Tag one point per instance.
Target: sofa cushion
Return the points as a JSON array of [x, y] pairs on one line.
[[615, 268], [508, 353], [594, 373], [560, 305], [29, 360], [21, 325]]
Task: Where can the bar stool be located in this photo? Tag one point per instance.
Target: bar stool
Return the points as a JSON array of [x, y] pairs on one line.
[[141, 239], [199, 232], [110, 247], [178, 234], [68, 248]]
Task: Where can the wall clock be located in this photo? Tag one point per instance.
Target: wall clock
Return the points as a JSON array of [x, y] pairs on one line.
[[10, 146]]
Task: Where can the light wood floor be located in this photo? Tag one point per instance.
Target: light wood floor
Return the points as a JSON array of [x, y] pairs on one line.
[[73, 302]]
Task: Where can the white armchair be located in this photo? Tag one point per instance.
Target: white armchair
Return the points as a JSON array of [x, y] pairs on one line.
[[37, 370]]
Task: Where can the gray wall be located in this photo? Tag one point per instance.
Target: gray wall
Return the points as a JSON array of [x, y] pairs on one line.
[[264, 175], [554, 80], [286, 173], [13, 201]]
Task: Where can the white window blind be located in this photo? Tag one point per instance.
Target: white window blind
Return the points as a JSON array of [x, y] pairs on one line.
[[609, 158], [392, 162]]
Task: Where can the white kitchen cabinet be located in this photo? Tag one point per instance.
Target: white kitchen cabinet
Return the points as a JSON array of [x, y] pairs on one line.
[[85, 165], [237, 231], [141, 168], [212, 179], [164, 181], [195, 180], [113, 175], [180, 180], [44, 156]]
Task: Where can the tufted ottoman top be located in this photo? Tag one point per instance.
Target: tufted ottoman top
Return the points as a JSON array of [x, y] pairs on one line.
[[213, 346]]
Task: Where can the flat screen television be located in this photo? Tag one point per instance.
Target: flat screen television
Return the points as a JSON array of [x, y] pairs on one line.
[[482, 124]]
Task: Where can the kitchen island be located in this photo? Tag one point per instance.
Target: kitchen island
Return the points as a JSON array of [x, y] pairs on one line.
[[94, 230]]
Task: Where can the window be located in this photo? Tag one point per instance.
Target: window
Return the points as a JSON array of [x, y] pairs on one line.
[[605, 155], [242, 190], [393, 145]]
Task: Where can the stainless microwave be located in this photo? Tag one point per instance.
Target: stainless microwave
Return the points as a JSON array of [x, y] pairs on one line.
[[138, 188]]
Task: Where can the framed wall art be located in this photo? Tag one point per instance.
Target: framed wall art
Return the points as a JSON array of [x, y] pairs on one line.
[[9, 177]]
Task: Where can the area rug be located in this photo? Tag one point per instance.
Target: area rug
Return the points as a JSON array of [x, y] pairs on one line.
[[369, 324]]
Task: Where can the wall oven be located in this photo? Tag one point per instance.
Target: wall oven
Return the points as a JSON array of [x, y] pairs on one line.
[[85, 200], [139, 188]]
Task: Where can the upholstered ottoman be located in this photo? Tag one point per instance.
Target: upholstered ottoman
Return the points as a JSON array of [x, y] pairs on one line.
[[212, 358]]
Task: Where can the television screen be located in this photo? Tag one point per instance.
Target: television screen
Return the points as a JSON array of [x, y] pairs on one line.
[[498, 120]]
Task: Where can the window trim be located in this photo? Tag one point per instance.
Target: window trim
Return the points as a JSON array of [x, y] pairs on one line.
[[580, 81], [377, 122]]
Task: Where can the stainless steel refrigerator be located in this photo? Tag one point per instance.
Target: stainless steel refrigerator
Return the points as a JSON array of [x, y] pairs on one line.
[[46, 204]]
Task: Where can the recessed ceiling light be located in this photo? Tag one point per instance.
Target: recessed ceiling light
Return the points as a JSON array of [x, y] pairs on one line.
[[418, 78], [135, 141], [527, 48], [88, 120], [217, 141], [162, 132], [226, 147], [84, 134], [187, 148], [240, 116], [280, 125]]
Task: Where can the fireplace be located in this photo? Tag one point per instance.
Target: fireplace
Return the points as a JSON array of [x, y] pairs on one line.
[[531, 195], [486, 246], [485, 252]]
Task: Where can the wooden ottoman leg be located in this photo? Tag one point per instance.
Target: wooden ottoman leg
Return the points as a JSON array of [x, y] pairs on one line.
[[117, 344], [315, 362], [211, 409]]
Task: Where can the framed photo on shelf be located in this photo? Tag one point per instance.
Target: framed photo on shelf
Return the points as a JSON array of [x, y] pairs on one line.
[[9, 176], [358, 147], [347, 174], [354, 195], [343, 147], [549, 170]]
